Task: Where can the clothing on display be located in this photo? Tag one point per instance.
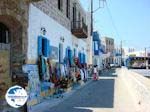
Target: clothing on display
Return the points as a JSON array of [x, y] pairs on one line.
[[62, 69], [82, 74], [47, 75], [57, 70], [42, 67], [50, 69]]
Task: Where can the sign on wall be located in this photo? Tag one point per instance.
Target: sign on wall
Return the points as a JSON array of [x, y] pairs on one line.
[[54, 52]]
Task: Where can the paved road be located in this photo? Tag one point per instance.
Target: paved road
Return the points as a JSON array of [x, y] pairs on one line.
[[97, 94], [108, 94]]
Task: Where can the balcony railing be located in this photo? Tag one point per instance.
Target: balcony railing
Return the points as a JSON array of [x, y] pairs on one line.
[[79, 29], [33, 0]]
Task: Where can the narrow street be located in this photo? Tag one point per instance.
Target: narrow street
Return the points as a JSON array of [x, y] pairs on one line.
[[51, 52], [109, 94]]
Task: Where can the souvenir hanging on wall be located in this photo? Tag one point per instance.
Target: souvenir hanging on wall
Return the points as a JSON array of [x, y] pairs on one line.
[[42, 67], [50, 69]]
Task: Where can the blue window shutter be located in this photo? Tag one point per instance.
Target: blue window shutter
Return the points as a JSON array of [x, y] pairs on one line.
[[79, 56], [74, 52], [45, 47], [40, 45], [69, 53], [85, 58], [50, 49], [59, 53], [66, 52], [82, 57]]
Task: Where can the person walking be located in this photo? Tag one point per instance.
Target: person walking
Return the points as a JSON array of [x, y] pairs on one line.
[[95, 74]]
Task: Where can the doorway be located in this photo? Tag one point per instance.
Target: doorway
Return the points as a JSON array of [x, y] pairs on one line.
[[11, 58], [5, 77]]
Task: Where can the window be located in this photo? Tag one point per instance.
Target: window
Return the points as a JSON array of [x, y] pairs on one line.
[[68, 8], [60, 5], [4, 34], [74, 12], [74, 16], [79, 20]]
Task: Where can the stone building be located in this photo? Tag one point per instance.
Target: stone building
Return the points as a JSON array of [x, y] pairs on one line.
[[62, 22]]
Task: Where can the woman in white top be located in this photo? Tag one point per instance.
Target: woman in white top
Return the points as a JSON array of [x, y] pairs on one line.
[[95, 75]]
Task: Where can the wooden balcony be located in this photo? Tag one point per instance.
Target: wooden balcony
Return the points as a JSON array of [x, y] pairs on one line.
[[79, 29]]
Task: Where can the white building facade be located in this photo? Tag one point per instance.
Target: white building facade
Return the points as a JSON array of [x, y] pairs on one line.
[[58, 28], [117, 56]]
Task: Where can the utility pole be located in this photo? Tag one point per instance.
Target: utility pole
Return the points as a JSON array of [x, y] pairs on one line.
[[121, 52], [145, 57], [145, 51], [93, 11], [91, 17]]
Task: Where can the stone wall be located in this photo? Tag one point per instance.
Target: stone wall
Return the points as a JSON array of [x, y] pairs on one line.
[[14, 14], [50, 8]]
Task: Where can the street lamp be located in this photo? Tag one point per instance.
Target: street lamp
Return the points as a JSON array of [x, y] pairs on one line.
[[146, 56], [146, 50]]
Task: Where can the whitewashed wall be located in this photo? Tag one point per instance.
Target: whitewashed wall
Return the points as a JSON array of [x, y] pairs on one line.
[[55, 31]]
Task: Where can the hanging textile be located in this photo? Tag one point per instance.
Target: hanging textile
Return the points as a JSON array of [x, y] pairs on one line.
[[60, 53], [62, 69], [50, 69], [47, 75], [42, 67], [82, 74], [57, 71]]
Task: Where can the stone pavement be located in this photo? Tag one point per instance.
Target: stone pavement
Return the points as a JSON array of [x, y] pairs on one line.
[[109, 94], [144, 72]]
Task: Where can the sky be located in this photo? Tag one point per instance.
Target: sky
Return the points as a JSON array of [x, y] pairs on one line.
[[126, 20]]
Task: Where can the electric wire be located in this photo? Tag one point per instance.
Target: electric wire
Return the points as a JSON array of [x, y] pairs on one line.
[[112, 20]]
